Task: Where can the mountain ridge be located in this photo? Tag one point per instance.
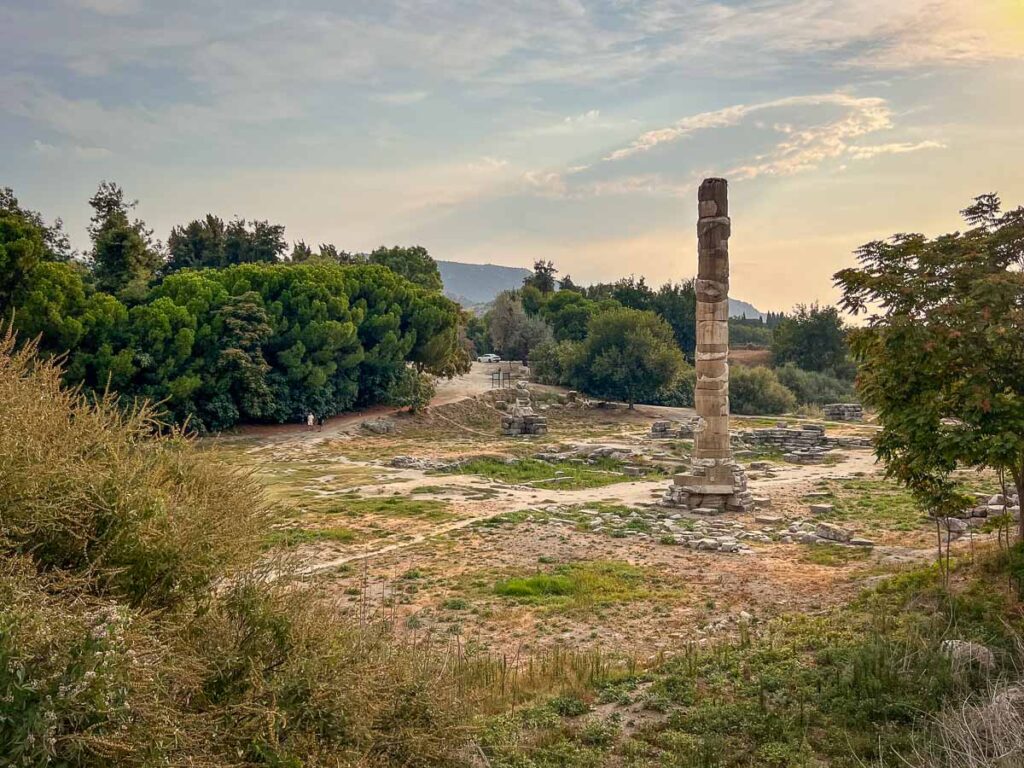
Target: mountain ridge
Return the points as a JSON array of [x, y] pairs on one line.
[[475, 284]]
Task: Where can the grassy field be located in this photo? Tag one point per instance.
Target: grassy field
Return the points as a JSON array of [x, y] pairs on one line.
[[565, 475], [854, 687], [582, 586]]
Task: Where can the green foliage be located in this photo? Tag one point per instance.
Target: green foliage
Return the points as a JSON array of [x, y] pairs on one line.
[[124, 257], [812, 387], [210, 242], [630, 355], [21, 249], [680, 393], [412, 263], [478, 334], [754, 391], [151, 527], [858, 685], [675, 303], [941, 358], [412, 390], [813, 338], [138, 628], [543, 278], [579, 585], [515, 334], [557, 363], [749, 333], [230, 333], [569, 313]]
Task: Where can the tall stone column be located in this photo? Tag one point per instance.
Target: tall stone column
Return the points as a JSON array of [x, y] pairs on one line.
[[712, 393], [714, 483]]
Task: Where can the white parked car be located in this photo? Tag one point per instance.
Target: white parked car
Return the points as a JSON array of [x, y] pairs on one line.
[[489, 358]]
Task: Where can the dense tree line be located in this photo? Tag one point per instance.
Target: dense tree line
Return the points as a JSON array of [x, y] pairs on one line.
[[221, 326], [628, 341]]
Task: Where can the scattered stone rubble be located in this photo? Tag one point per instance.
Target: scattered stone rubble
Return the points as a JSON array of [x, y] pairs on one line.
[[987, 506], [652, 523], [666, 429], [843, 411], [820, 532], [415, 462], [965, 654], [379, 426]]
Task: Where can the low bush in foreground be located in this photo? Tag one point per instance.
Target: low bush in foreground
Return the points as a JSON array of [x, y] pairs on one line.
[[138, 627]]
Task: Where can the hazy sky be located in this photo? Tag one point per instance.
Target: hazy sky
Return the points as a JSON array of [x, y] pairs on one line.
[[510, 130]]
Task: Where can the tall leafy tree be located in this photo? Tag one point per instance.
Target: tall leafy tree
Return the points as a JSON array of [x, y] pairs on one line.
[[55, 239], [514, 333], [124, 255], [198, 244], [630, 355], [413, 263], [814, 339], [543, 277], [942, 350], [210, 242]]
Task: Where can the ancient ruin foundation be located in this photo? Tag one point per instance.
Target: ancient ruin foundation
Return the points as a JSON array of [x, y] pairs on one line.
[[521, 418], [715, 483]]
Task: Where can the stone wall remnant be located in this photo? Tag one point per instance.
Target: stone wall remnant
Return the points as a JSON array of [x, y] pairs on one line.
[[843, 411]]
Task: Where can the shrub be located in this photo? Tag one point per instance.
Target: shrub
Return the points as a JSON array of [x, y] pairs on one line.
[[741, 334], [680, 393], [556, 362], [412, 390], [90, 490], [138, 627], [630, 355], [811, 387], [758, 391]]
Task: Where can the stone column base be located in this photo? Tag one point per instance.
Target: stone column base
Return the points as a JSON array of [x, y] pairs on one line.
[[710, 488]]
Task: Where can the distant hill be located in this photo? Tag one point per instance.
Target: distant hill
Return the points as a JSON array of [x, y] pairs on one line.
[[739, 308], [475, 284], [478, 283]]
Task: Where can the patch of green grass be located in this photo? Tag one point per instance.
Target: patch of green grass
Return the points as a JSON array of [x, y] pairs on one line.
[[392, 506], [833, 554], [582, 585], [857, 686], [511, 518], [565, 475], [430, 489], [874, 502], [293, 537]]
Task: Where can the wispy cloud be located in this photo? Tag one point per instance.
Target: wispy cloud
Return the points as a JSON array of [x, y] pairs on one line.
[[53, 151], [108, 7], [400, 98], [895, 148], [866, 114], [812, 129]]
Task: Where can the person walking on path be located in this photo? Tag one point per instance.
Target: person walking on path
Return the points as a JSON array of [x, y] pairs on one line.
[[320, 423], [310, 420]]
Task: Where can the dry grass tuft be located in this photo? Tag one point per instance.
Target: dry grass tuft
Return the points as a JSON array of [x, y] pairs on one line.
[[139, 627]]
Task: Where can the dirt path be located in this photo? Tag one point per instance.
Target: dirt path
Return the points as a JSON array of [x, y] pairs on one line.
[[476, 382]]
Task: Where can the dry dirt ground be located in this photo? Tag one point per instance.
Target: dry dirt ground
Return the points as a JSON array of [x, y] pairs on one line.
[[441, 551]]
